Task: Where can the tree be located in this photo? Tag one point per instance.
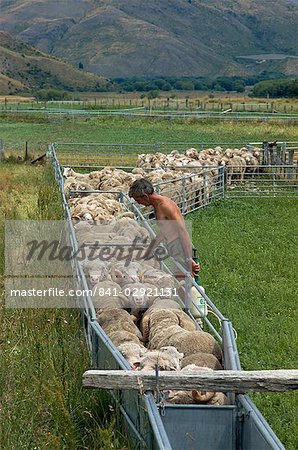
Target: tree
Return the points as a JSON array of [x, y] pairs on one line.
[[151, 95], [81, 65]]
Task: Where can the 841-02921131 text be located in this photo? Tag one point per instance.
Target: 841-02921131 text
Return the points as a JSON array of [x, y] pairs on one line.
[[136, 292]]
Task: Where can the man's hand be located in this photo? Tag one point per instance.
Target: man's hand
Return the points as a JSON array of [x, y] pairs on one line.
[[195, 267]]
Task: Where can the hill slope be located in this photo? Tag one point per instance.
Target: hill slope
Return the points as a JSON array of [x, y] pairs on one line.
[[172, 37], [24, 68]]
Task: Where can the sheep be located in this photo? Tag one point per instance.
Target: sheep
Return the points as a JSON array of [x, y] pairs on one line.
[[199, 397], [108, 316], [167, 358], [113, 320], [132, 352], [139, 295], [164, 329], [123, 337], [97, 275], [158, 304], [189, 342], [202, 360], [68, 172], [107, 302], [122, 274], [107, 294], [163, 324], [158, 278]]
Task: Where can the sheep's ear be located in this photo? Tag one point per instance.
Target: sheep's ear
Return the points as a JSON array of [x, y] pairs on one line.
[[118, 273]]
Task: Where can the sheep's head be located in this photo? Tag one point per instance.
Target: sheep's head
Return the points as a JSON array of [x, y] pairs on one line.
[[88, 218], [68, 172], [125, 275], [133, 353]]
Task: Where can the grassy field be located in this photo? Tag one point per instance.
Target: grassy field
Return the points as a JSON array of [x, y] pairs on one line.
[[37, 132], [43, 352], [248, 251]]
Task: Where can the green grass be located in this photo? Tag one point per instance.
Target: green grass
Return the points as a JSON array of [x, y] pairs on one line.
[[119, 130], [248, 251], [43, 352]]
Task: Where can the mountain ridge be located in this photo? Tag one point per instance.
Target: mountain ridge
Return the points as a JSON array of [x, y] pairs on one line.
[[173, 38]]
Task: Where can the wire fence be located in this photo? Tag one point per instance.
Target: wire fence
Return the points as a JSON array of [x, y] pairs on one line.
[[53, 113], [78, 154]]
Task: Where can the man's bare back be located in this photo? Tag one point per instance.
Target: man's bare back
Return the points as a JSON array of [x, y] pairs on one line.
[[169, 217]]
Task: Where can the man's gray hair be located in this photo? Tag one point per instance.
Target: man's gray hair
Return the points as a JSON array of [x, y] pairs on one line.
[[141, 187]]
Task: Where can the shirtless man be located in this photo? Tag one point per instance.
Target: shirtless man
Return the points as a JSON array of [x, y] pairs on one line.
[[170, 221]]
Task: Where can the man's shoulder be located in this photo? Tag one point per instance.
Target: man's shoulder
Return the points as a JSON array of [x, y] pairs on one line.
[[171, 207]]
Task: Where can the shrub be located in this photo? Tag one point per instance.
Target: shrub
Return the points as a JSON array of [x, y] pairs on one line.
[[52, 94]]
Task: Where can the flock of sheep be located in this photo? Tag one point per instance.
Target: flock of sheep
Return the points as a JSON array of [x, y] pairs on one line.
[[238, 162], [133, 298], [190, 179], [167, 337]]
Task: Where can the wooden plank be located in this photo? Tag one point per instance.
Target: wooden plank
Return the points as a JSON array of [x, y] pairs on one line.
[[221, 380], [39, 158]]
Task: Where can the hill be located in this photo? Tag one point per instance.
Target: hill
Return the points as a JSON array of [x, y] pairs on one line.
[[118, 38], [172, 38], [24, 69]]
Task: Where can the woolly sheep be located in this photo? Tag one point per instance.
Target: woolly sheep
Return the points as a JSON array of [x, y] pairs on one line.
[[167, 358], [132, 352], [202, 360]]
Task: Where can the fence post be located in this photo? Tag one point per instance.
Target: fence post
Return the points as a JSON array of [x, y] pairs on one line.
[[222, 180], [26, 151], [1, 150], [274, 184], [204, 188], [183, 206], [290, 174], [265, 153]]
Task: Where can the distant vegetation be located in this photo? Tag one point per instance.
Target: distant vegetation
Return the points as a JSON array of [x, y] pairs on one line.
[[276, 88], [52, 94], [225, 84]]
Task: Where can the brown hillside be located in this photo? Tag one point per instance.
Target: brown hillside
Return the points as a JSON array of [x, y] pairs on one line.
[[153, 37], [23, 68]]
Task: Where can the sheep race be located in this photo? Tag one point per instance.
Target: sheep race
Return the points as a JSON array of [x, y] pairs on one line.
[[150, 331]]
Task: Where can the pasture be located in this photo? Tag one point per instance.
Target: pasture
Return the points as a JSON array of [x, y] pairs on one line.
[[15, 131], [248, 253], [43, 352]]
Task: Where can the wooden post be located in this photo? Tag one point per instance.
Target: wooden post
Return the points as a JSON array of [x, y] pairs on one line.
[[1, 150], [26, 151], [237, 381]]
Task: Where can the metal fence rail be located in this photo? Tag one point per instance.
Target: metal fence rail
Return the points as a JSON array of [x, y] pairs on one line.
[[265, 181], [89, 154], [147, 113]]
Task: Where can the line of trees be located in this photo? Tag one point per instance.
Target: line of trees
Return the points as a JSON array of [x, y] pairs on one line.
[[223, 83], [276, 88]]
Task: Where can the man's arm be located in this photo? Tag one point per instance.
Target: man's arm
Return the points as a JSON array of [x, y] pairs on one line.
[[153, 244], [173, 213]]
